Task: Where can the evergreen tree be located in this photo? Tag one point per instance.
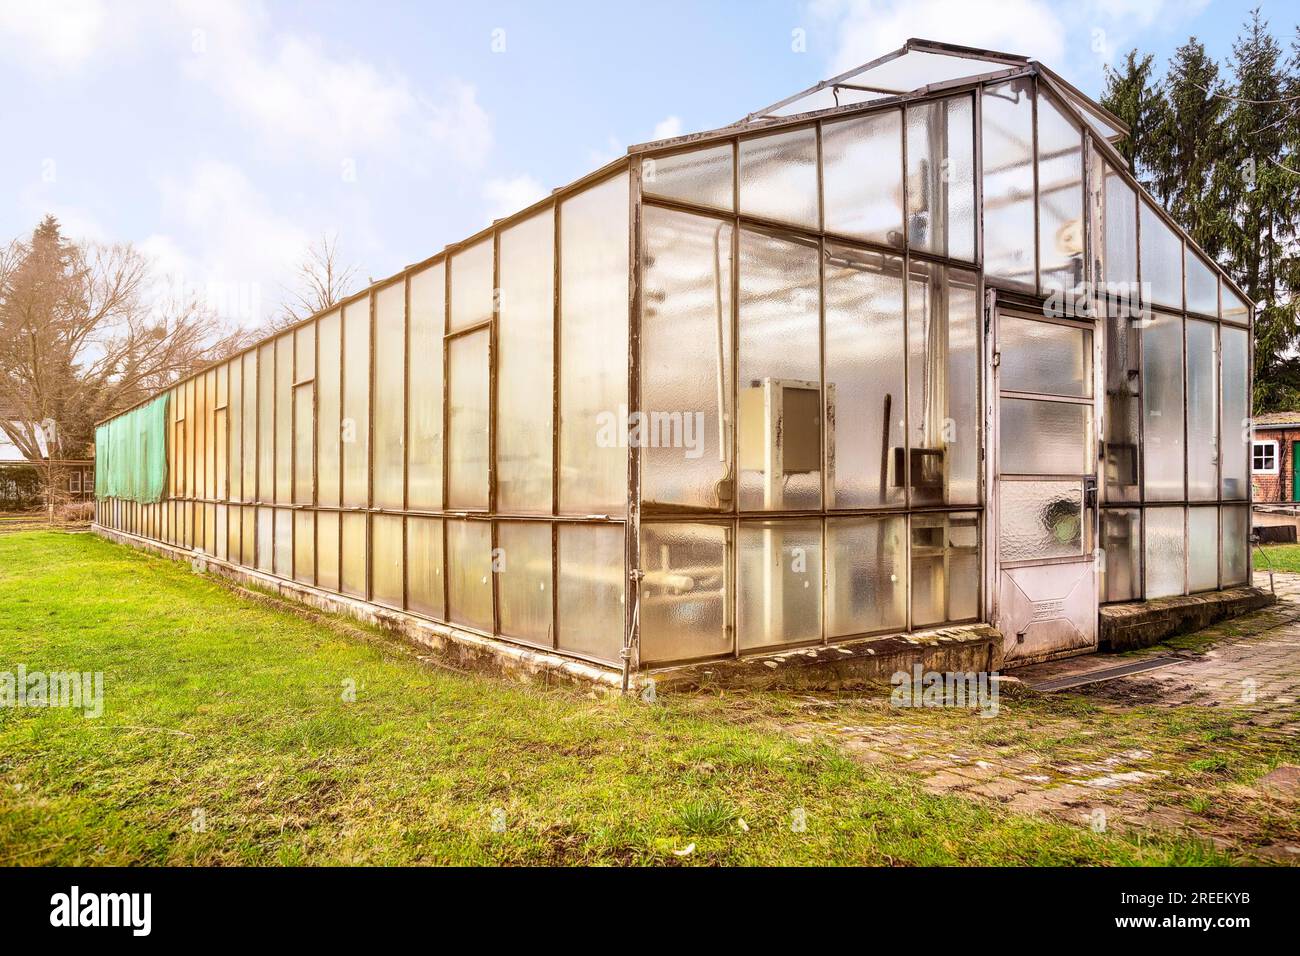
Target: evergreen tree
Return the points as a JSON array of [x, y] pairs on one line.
[[1132, 97]]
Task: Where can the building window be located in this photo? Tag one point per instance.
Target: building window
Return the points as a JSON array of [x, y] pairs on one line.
[[1263, 457], [74, 482]]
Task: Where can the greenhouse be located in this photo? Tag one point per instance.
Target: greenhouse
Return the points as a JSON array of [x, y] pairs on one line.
[[910, 348]]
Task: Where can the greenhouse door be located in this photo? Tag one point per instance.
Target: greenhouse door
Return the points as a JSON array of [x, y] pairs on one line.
[[1046, 486]]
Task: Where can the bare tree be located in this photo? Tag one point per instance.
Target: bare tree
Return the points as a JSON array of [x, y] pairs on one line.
[[81, 338], [323, 280]]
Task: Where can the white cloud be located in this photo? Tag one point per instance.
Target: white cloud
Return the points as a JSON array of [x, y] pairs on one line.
[[59, 33], [668, 127], [509, 195]]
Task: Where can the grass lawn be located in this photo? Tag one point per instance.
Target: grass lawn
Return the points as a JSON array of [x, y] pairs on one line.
[[1282, 557], [226, 738]]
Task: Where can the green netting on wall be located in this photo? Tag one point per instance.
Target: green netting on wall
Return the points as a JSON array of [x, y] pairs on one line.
[[131, 454]]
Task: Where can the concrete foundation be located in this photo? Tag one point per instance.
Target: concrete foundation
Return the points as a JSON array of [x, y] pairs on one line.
[[1143, 623]]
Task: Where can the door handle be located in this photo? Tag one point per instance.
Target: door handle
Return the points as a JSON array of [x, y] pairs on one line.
[[1090, 492]]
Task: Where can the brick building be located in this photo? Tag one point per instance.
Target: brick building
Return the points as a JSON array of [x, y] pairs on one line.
[[1274, 448]]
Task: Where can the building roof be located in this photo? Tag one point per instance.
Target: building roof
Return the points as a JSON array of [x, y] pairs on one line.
[[1278, 420]]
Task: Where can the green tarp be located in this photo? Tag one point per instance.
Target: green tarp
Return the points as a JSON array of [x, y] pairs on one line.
[[131, 454]]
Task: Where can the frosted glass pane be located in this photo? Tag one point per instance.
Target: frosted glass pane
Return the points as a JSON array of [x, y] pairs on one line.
[[684, 593], [1121, 558], [424, 566], [593, 349], [591, 590], [327, 550], [283, 542], [469, 573], [865, 391], [304, 546], [222, 542], [1060, 199], [1236, 536], [780, 599], [867, 575], [1044, 357], [471, 286], [304, 447], [778, 177], [940, 177], [467, 423], [1165, 553], [943, 388], [866, 207], [248, 534], [945, 568], [1044, 438], [304, 353], [700, 176], [1202, 414], [424, 457], [265, 427], [779, 374], [328, 411], [390, 396], [523, 563], [265, 539], [1162, 261], [352, 527], [686, 361], [283, 419], [1162, 388], [235, 444], [354, 432], [1202, 549], [1121, 235], [1123, 387], [525, 369], [220, 435], [1235, 421], [1202, 286], [387, 551], [1040, 519], [1008, 157], [1235, 308]]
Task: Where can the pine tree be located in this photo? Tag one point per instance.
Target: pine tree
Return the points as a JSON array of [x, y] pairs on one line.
[[1132, 97]]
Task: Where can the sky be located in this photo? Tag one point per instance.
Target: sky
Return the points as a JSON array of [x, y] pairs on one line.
[[222, 137]]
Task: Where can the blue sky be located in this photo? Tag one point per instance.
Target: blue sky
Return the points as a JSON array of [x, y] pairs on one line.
[[221, 137]]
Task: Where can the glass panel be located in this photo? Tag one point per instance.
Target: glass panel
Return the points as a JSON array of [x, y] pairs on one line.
[[701, 176], [865, 391], [1007, 113], [523, 565], [866, 207], [1162, 394], [1162, 261], [469, 570], [283, 542], [467, 423], [525, 368], [352, 527], [686, 361], [1202, 285], [1060, 199], [248, 535], [304, 353], [390, 395], [591, 590], [283, 419], [471, 286], [1045, 438], [1235, 308], [943, 386], [1123, 388], [424, 464], [265, 423], [327, 550], [1236, 535], [1121, 555], [867, 575], [221, 437], [1044, 357], [1040, 519], [780, 599], [779, 445], [304, 433], [1235, 424], [1165, 552], [222, 541], [386, 544], [265, 539], [354, 432], [304, 546], [235, 417], [778, 177], [593, 349], [1202, 549], [1121, 235], [945, 568], [328, 411], [940, 177], [1202, 415], [424, 566], [684, 592]]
